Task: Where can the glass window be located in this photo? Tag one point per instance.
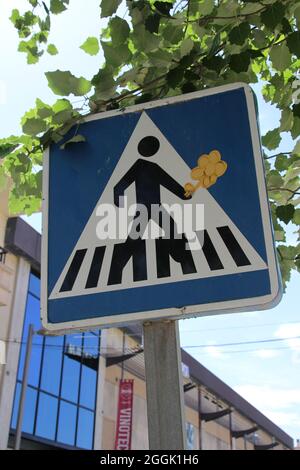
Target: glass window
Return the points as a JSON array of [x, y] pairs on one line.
[[91, 344], [29, 410], [46, 416], [58, 375], [89, 375], [34, 285], [52, 364], [67, 423], [88, 387], [72, 365], [85, 429]]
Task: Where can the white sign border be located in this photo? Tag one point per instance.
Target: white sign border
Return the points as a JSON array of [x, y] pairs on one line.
[[231, 306]]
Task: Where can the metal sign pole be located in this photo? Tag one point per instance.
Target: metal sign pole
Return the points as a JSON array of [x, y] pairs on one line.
[[24, 388], [165, 403]]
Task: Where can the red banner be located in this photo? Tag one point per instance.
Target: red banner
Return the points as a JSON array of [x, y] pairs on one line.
[[124, 419]]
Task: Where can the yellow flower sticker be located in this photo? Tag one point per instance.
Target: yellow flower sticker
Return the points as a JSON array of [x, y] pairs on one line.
[[210, 168]]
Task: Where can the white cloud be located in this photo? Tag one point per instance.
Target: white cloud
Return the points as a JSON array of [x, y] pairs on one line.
[[289, 331], [215, 352], [282, 418], [265, 397], [266, 353], [280, 405]]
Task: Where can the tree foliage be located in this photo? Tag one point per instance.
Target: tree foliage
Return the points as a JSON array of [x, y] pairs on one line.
[[154, 49]]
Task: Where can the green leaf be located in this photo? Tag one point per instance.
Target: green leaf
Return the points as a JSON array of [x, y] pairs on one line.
[[285, 213], [214, 63], [240, 62], [295, 132], [175, 77], [119, 30], [287, 119], [205, 7], [15, 15], [186, 46], [62, 117], [58, 6], [164, 7], [74, 140], [116, 56], [34, 126], [271, 139], [64, 83], [273, 15], [293, 43], [52, 50], [43, 110], [109, 7], [104, 83], [90, 46], [282, 162], [296, 217], [160, 58], [173, 33], [296, 149], [61, 105], [6, 149], [280, 56], [239, 34], [274, 179], [152, 23], [143, 40], [260, 38]]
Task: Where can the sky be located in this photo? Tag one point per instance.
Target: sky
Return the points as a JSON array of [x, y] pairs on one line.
[[266, 374]]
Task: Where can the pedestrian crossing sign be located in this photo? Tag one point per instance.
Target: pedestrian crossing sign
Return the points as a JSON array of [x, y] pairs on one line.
[[160, 213]]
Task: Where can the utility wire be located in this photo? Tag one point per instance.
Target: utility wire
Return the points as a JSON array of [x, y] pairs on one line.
[[219, 345], [78, 335], [241, 343]]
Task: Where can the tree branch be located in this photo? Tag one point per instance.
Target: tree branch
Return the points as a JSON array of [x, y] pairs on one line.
[[285, 189], [277, 154]]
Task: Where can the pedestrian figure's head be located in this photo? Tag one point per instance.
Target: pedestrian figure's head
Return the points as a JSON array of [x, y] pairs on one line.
[[148, 146]]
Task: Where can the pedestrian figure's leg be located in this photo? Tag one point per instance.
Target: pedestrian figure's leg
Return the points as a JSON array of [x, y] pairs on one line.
[[131, 248], [176, 247], [122, 253]]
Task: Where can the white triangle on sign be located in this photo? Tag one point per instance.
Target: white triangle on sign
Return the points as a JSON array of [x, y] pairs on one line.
[[215, 221]]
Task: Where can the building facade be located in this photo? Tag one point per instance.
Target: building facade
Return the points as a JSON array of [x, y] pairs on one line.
[[73, 382]]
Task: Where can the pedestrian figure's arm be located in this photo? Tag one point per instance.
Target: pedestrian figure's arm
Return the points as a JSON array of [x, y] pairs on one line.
[[169, 183], [123, 184]]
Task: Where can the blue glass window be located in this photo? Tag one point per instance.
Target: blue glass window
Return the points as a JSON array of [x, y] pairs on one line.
[[67, 423], [29, 409], [85, 427], [35, 285], [61, 393], [52, 363], [72, 366], [46, 416]]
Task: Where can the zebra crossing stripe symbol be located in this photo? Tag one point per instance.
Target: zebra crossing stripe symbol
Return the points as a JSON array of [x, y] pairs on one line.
[[101, 266]]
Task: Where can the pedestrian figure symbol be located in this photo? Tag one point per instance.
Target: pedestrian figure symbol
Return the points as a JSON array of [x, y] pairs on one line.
[[148, 178]]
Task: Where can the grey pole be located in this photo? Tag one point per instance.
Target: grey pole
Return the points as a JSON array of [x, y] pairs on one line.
[[165, 402], [24, 387]]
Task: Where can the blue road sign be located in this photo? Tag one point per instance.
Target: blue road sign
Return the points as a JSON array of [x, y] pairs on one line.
[[110, 259]]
